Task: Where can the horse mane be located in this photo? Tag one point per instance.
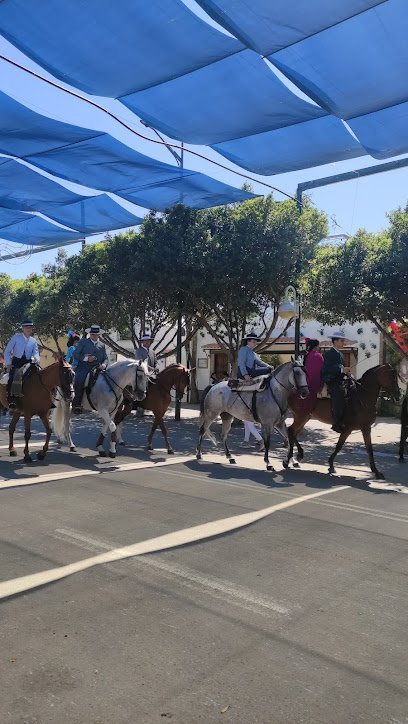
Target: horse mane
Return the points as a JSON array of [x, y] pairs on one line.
[[369, 372]]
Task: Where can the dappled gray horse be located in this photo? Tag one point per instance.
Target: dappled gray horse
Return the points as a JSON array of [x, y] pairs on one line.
[[105, 398], [271, 406]]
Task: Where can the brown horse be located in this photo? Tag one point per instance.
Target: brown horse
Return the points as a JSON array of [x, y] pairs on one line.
[[157, 400], [360, 414], [39, 388]]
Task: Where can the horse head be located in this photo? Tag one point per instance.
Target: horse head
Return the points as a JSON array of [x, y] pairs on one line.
[[141, 380], [388, 379], [298, 378], [67, 376], [182, 381]]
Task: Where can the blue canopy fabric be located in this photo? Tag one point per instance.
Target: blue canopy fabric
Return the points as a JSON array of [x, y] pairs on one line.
[[105, 163], [7, 217], [313, 143], [97, 213], [35, 231], [195, 190], [234, 97], [270, 25], [356, 67], [113, 48], [23, 131], [384, 133], [23, 189]]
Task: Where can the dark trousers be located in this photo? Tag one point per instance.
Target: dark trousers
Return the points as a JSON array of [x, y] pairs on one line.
[[255, 372], [16, 364], [338, 399], [81, 372]]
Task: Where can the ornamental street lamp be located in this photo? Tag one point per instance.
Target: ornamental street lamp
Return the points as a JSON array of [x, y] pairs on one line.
[[290, 307]]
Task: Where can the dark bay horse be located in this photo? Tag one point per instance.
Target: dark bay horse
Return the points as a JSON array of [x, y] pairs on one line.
[[360, 415], [157, 400], [39, 389]]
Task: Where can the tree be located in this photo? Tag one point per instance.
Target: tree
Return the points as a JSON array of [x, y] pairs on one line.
[[364, 278]]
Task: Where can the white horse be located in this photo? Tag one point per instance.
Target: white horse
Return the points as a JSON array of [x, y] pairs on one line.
[[271, 406], [105, 398]]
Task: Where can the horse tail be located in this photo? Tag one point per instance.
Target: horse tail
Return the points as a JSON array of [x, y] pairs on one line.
[[58, 420]]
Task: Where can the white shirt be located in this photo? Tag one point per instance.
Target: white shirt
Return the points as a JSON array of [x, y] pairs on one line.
[[18, 345]]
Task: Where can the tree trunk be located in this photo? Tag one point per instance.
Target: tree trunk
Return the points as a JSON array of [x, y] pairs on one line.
[[194, 396]]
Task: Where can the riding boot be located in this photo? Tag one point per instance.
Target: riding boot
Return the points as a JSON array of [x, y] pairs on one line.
[[77, 401], [338, 406]]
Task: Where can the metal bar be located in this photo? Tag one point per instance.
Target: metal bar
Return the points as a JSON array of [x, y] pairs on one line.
[[299, 199], [349, 175], [177, 407]]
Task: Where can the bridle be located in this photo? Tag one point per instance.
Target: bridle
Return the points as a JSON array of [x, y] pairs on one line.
[[288, 389]]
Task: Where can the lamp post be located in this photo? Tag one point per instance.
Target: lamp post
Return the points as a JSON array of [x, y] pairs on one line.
[[180, 162], [290, 307]]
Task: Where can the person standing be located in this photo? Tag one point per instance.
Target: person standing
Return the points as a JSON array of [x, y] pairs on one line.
[[332, 373], [146, 352], [89, 354], [249, 363], [21, 348]]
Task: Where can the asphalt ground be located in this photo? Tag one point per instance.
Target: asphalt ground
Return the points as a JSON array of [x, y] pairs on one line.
[[300, 617]]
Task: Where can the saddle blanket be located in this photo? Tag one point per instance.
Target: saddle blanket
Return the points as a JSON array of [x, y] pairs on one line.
[[22, 370], [253, 385]]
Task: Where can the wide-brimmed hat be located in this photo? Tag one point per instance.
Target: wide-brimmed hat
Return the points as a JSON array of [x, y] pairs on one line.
[[27, 323], [251, 335], [146, 338], [94, 329], [338, 334]]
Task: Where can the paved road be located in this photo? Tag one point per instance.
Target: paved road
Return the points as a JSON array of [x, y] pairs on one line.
[[300, 617]]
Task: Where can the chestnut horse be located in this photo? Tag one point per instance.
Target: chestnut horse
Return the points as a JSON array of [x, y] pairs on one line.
[[360, 414], [157, 400], [39, 388]]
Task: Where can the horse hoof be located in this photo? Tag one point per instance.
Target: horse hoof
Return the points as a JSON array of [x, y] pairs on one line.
[[102, 454], [296, 464], [112, 455], [285, 464], [150, 448], [28, 459], [379, 476], [270, 468], [199, 456], [170, 451], [13, 453], [72, 449], [232, 461], [40, 455], [332, 469]]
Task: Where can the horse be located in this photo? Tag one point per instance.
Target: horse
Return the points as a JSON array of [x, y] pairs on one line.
[[39, 388], [105, 398], [157, 400], [360, 413], [271, 404], [404, 428]]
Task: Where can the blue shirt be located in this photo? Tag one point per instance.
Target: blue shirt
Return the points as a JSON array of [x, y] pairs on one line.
[[248, 360], [69, 356], [19, 345]]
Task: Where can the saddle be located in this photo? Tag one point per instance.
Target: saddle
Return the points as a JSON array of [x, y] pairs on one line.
[[254, 385], [89, 383]]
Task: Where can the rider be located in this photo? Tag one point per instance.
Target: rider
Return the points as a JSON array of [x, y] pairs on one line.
[[249, 363], [22, 348], [89, 353], [146, 352], [332, 374]]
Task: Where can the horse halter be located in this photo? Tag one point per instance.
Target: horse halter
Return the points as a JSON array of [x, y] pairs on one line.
[[67, 382], [140, 370], [289, 389]]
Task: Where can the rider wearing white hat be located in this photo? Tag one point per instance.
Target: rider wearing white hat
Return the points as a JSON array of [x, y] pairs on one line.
[[332, 373], [89, 353], [146, 352], [22, 348]]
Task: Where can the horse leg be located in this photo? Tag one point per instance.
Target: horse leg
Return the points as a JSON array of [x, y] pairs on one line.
[[45, 421], [340, 442], [107, 422], [404, 435], [163, 428], [226, 427], [12, 429], [153, 429], [205, 430], [297, 426], [266, 434], [112, 447], [369, 447], [27, 436], [287, 434]]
